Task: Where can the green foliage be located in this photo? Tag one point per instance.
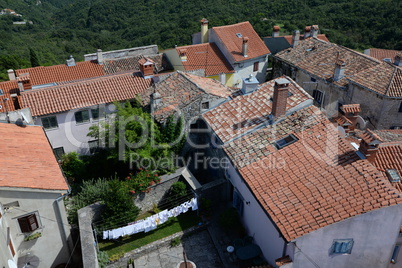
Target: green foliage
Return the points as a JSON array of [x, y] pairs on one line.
[[33, 58], [103, 259], [73, 167], [142, 181], [175, 242], [173, 133], [176, 192]]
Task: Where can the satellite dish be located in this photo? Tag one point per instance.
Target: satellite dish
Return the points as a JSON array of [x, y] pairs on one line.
[[11, 264], [341, 132], [28, 261], [361, 123]]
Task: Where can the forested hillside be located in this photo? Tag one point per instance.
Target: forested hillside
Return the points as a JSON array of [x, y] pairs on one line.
[[77, 27]]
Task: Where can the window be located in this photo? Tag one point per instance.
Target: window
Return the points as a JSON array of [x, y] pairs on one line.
[[318, 96], [58, 152], [1, 92], [279, 144], [82, 116], [400, 107], [395, 253], [28, 223], [93, 146], [342, 246], [95, 113], [255, 68], [205, 105], [49, 122], [312, 79]]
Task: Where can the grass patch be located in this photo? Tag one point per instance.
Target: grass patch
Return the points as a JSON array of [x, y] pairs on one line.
[[118, 247]]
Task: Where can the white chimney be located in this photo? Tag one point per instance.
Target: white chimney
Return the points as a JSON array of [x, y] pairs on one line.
[[307, 32], [70, 62], [314, 31], [339, 72], [99, 56], [275, 31], [222, 78], [204, 31], [295, 38], [398, 59], [250, 84], [11, 75], [245, 47]]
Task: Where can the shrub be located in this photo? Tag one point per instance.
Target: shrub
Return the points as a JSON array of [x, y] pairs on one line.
[[103, 259], [175, 242], [177, 191]]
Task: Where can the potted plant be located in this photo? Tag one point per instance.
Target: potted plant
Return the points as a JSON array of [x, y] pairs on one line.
[[33, 236]]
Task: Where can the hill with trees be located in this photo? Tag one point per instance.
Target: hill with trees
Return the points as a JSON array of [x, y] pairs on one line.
[[75, 27]]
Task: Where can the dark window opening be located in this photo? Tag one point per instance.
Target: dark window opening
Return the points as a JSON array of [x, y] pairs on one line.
[[312, 79], [256, 65], [279, 144], [342, 246], [28, 223], [400, 107], [82, 116], [49, 122], [318, 96], [95, 113], [205, 105], [58, 152]]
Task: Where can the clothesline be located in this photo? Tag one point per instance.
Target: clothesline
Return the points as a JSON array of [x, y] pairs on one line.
[[151, 222]]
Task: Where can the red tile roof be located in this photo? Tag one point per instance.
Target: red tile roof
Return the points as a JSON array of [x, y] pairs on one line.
[[28, 160], [233, 44], [205, 56], [84, 93], [289, 38], [8, 88], [246, 112], [382, 54], [342, 120], [351, 108], [57, 73], [384, 79], [300, 201]]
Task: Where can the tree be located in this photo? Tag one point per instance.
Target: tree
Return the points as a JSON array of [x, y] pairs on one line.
[[33, 58]]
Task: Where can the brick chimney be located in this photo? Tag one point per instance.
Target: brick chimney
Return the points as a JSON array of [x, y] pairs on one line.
[[398, 59], [99, 56], [351, 112], [244, 49], [275, 31], [307, 32], [339, 72], [295, 38], [24, 82], [314, 30], [11, 74], [369, 144], [183, 54], [280, 97], [204, 31], [71, 61], [146, 67]]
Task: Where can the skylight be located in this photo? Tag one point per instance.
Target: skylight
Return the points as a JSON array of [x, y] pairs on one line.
[[289, 139], [393, 175], [239, 35]]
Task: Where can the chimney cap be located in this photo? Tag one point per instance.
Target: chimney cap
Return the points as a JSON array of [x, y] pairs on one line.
[[314, 27], [245, 39], [283, 82], [99, 50], [276, 28], [296, 32], [204, 21], [156, 96], [370, 137], [307, 29]]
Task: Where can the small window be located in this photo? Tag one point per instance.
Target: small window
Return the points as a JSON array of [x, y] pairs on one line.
[[93, 146], [82, 116], [342, 246], [1, 92], [312, 79], [95, 113], [255, 68], [49, 122], [28, 223], [58, 152], [395, 253], [205, 105], [279, 144], [400, 107], [318, 96]]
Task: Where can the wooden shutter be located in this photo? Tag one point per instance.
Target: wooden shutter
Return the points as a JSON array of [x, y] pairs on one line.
[[28, 223]]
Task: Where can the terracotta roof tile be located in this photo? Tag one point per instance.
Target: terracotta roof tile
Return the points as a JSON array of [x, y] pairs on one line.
[[370, 137], [300, 201], [29, 161], [57, 73], [205, 56], [342, 120], [246, 112], [382, 54], [351, 108], [112, 66], [227, 34], [84, 93], [384, 79], [8, 88]]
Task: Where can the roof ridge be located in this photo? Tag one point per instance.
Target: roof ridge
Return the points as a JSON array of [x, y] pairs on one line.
[[360, 54], [231, 25]]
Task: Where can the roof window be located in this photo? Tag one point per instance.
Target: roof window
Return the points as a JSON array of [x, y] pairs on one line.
[[239, 35], [289, 139], [393, 175]]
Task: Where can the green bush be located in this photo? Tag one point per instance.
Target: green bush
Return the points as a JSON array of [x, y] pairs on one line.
[[177, 191], [103, 259]]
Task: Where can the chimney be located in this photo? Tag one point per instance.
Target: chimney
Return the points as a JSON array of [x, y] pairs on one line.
[[275, 31], [70, 62], [314, 30], [398, 59], [244, 49], [250, 84], [307, 32], [24, 82], [204, 31], [156, 100], [281, 89], [351, 112], [222, 78], [295, 38], [339, 72], [11, 74], [99, 56], [146, 67], [369, 144], [183, 54]]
